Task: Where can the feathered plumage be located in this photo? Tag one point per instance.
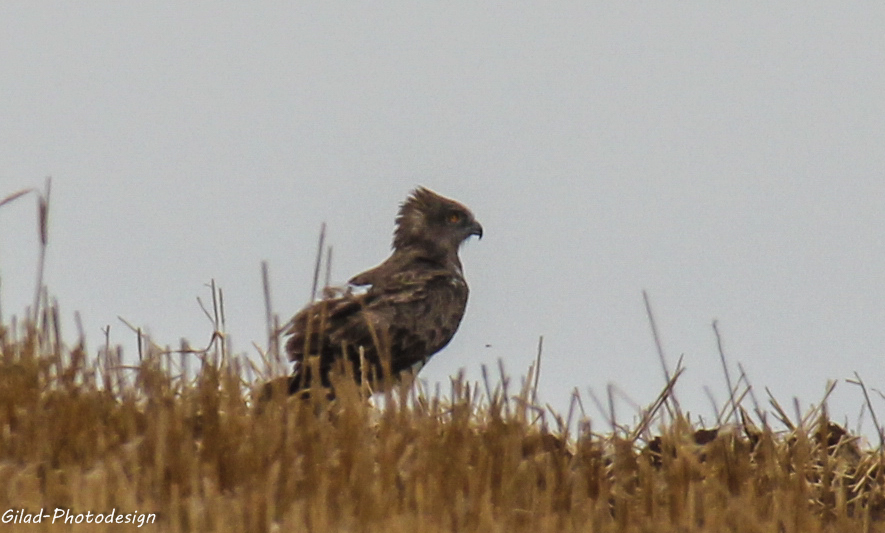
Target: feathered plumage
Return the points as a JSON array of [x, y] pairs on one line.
[[412, 306]]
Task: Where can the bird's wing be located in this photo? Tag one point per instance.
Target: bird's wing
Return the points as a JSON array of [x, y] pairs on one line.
[[388, 311], [365, 278], [312, 325]]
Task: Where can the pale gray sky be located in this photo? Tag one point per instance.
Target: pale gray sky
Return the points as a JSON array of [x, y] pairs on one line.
[[727, 158]]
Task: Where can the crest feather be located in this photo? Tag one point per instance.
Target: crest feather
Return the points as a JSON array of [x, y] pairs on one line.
[[411, 221]]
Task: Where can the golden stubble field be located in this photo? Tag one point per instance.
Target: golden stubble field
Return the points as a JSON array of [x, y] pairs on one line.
[[194, 448]]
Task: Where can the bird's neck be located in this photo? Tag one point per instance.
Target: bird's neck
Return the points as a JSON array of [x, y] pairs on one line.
[[447, 259]]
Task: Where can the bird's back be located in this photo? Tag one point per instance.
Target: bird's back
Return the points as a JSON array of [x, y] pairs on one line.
[[411, 310]]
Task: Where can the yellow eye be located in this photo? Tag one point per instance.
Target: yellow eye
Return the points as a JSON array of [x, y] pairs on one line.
[[454, 218]]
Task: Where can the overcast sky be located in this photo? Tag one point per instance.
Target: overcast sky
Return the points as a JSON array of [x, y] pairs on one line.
[[726, 158]]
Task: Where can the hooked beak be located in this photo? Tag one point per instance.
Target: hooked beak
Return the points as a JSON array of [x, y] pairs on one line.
[[476, 229]]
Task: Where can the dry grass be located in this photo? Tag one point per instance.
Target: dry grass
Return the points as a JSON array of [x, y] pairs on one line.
[[180, 436], [81, 432]]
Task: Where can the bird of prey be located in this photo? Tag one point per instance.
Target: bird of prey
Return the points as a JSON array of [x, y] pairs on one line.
[[408, 309]]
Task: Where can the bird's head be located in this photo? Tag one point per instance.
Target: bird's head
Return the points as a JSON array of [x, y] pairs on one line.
[[433, 222]]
